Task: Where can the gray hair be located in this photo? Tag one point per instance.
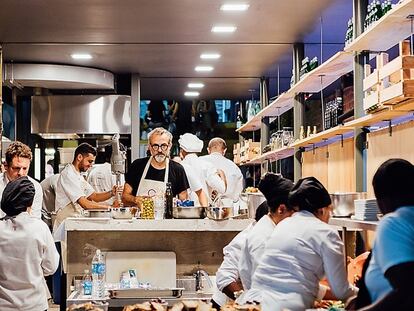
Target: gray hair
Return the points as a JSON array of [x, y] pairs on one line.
[[160, 131], [217, 142]]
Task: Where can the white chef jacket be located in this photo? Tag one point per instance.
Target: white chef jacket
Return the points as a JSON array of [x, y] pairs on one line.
[[71, 186], [253, 248], [233, 174], [228, 271], [205, 173], [300, 251], [195, 183], [38, 198], [28, 253], [100, 177]]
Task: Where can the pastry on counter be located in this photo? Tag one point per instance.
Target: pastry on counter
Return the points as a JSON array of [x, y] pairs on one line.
[[84, 307]]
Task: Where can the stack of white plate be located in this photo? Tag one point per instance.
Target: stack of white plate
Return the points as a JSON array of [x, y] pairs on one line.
[[366, 209]]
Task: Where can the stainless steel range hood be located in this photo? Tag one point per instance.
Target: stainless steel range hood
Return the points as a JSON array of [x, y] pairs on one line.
[[83, 114]]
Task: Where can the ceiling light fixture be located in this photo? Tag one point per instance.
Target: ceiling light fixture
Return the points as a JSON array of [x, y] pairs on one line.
[[223, 29], [191, 94], [81, 56], [203, 68], [210, 56], [195, 85], [234, 7]]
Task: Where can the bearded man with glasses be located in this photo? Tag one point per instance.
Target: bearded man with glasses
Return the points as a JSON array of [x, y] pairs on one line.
[[149, 176]]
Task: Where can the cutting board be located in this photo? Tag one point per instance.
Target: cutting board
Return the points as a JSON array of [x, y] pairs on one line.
[[157, 268]]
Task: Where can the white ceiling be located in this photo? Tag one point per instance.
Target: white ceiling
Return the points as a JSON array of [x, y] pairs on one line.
[[161, 40]]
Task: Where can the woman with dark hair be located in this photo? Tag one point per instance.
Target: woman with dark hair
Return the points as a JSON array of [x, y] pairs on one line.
[[302, 249], [27, 249], [390, 272]]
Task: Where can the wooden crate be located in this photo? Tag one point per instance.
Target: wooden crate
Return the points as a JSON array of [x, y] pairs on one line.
[[372, 85], [397, 78]]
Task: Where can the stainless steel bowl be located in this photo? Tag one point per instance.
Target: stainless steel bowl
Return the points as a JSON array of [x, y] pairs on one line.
[[99, 213], [219, 213], [189, 212], [343, 203], [122, 213]]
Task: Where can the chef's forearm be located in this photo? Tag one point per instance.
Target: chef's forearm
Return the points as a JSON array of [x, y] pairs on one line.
[[129, 199], [183, 195], [87, 204], [100, 196], [230, 289]]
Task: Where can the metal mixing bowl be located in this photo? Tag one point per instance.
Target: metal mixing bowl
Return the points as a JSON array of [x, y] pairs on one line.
[[219, 213], [122, 213], [99, 213], [189, 212]]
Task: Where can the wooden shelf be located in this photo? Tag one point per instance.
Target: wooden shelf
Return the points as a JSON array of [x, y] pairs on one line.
[[353, 223], [274, 155], [331, 70], [319, 137], [386, 32], [374, 118]]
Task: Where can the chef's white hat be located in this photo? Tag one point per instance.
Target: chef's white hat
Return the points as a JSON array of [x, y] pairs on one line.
[[190, 143]]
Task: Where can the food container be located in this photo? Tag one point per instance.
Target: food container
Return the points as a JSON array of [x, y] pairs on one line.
[[343, 203], [147, 209], [146, 293], [219, 213], [189, 212], [122, 212], [99, 213], [252, 200]]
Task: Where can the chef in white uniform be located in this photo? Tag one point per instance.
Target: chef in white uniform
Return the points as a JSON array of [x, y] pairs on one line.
[[149, 176], [18, 158], [234, 178], [228, 276], [211, 178], [276, 190], [27, 249], [49, 186], [300, 251], [73, 193]]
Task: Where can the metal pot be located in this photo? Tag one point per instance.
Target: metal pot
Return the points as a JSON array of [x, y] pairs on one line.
[[99, 213], [219, 213], [189, 212], [343, 203], [122, 213], [252, 200]]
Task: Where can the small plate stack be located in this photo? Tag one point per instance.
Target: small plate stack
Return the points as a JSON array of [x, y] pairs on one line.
[[366, 209]]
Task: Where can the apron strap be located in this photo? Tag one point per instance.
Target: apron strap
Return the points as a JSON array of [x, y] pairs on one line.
[[144, 174]]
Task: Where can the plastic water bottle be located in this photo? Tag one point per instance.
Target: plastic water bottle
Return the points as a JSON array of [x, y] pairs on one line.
[[87, 283], [98, 275]]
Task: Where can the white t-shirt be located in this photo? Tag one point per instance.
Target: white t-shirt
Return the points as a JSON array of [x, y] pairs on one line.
[[233, 174], [37, 200], [28, 253], [100, 177], [253, 249], [71, 186], [299, 253]]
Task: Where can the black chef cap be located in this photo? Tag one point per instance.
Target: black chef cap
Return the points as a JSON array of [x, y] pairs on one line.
[[17, 196], [309, 194], [275, 189]]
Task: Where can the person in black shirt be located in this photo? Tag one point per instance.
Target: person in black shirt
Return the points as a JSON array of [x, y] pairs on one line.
[[156, 114], [148, 176]]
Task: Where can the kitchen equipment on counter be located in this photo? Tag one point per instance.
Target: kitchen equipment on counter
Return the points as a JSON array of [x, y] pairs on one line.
[[343, 203], [189, 212], [252, 200], [156, 268], [146, 293], [123, 212], [99, 213], [219, 213]]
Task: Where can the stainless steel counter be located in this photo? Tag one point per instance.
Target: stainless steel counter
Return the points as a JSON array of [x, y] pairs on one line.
[[348, 223]]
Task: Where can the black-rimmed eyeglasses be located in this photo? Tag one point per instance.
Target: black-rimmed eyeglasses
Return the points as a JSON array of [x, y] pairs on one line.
[[156, 147]]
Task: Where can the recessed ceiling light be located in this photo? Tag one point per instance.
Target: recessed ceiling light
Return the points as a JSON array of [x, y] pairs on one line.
[[210, 56], [81, 56], [224, 29], [234, 7], [203, 68], [191, 94], [195, 85]]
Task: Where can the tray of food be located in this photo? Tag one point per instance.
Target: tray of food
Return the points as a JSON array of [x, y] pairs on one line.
[[146, 293]]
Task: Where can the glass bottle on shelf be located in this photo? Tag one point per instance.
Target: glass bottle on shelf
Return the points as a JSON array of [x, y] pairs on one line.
[[302, 133], [238, 120]]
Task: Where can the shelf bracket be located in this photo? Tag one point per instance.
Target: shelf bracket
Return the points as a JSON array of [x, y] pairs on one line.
[[313, 148], [342, 139], [389, 126]]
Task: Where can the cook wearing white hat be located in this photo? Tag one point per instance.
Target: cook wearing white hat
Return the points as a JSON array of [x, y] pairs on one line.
[[203, 177]]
